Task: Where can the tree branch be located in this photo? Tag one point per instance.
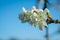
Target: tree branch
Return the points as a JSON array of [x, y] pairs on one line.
[[53, 21]]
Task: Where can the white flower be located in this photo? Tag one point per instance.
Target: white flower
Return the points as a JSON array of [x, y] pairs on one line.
[[39, 10], [31, 17], [36, 19], [24, 10], [34, 8], [35, 16], [46, 11], [42, 24]]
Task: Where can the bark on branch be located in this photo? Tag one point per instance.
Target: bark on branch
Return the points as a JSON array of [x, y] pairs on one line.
[[53, 21]]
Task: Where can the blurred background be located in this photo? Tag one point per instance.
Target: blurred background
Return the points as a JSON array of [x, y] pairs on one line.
[[11, 27]]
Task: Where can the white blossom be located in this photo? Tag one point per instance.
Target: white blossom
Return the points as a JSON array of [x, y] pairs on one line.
[[24, 10], [46, 10], [39, 10], [34, 8], [36, 16]]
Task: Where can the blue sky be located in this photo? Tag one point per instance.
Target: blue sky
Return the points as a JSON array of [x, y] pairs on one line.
[[11, 26]]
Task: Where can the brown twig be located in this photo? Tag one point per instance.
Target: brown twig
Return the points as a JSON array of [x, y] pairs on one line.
[[53, 21]]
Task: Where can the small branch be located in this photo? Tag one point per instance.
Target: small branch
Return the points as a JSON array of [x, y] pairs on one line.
[[53, 21], [38, 6], [45, 4], [47, 34]]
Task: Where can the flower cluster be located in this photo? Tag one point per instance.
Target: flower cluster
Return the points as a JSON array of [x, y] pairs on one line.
[[36, 17]]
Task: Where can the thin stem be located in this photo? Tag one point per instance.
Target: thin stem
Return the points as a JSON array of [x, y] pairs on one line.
[[47, 34], [59, 30], [38, 5], [53, 21], [45, 4]]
